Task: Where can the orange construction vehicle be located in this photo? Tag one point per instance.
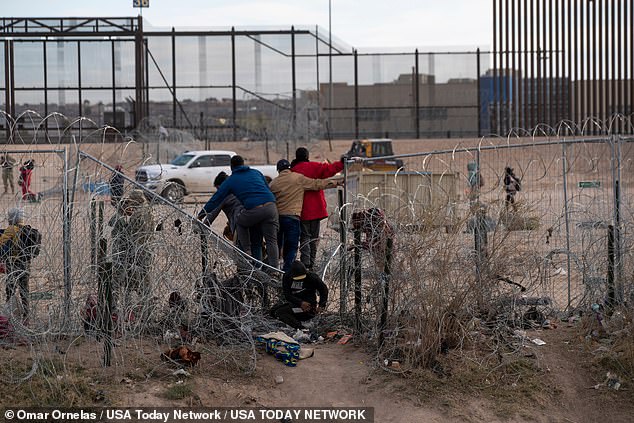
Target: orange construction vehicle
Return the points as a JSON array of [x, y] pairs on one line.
[[375, 149]]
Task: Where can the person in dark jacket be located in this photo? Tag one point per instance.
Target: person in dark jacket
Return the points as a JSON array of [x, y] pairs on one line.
[[300, 289], [511, 186], [260, 212], [314, 206], [232, 208], [116, 186], [17, 265]]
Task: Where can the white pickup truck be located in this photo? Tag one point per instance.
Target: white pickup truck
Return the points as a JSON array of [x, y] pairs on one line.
[[193, 172]]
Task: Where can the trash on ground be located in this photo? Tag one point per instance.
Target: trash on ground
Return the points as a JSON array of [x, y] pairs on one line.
[[305, 353], [181, 355], [331, 335], [180, 372], [612, 381], [302, 335], [538, 341], [344, 339]]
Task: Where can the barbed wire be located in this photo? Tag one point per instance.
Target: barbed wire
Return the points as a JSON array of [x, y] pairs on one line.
[[429, 290]]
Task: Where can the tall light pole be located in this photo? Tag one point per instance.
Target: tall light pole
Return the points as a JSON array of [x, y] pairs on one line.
[[330, 68]]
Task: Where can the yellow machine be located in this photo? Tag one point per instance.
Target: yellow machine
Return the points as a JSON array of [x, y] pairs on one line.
[[376, 149]]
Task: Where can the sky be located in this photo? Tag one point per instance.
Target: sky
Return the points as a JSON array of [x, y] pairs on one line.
[[358, 23]]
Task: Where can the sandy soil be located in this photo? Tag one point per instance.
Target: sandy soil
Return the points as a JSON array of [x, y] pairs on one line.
[[344, 375]]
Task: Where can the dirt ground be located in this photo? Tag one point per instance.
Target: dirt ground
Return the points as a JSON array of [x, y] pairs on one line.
[[562, 389], [344, 375]]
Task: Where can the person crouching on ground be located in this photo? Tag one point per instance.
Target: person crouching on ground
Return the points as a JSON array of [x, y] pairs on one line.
[[300, 290]]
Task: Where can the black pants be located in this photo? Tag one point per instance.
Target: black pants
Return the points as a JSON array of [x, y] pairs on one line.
[[264, 219], [18, 277], [284, 312], [308, 243]]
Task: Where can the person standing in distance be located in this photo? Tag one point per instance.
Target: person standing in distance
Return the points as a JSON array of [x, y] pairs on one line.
[[7, 163]]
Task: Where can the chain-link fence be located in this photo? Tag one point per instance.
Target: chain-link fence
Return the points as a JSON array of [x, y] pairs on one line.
[[495, 232], [533, 224]]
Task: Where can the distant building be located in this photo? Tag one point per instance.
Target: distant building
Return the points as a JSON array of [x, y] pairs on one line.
[[443, 110]]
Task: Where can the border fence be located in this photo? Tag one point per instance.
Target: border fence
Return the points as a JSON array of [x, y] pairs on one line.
[[412, 257], [226, 85]]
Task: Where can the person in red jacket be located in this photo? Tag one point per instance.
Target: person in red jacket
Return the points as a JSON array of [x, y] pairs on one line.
[[314, 207], [26, 172]]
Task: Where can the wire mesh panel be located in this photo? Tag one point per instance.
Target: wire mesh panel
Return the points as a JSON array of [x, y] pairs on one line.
[[469, 225], [168, 275]]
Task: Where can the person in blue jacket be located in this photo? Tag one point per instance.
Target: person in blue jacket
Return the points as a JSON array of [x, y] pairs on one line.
[[251, 189]]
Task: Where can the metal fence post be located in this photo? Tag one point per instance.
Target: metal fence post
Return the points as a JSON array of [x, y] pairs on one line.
[[479, 108], [616, 229], [93, 232], [356, 95], [611, 300], [67, 212], [479, 228], [343, 267], [343, 270], [104, 272], [564, 165], [357, 278], [385, 285]]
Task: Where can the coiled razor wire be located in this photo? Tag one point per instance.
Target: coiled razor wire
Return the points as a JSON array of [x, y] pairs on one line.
[[174, 281]]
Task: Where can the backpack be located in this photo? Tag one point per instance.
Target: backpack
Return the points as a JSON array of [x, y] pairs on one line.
[[29, 242]]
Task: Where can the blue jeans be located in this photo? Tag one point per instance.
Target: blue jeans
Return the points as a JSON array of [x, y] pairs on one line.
[[288, 239]]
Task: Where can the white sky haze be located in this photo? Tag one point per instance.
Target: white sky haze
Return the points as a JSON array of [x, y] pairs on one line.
[[359, 23]]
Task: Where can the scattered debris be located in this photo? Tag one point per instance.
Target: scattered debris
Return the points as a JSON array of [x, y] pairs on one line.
[[281, 346], [331, 335], [181, 372], [344, 339], [99, 396], [538, 341], [181, 355], [612, 381], [396, 365], [170, 336], [279, 380], [126, 380], [305, 353], [302, 335]]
